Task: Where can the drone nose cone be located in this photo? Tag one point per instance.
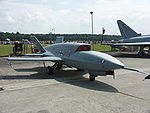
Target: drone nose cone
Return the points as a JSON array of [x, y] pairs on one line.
[[113, 63], [117, 64]]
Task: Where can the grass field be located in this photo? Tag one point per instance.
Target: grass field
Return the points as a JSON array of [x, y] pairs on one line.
[[6, 50], [98, 47]]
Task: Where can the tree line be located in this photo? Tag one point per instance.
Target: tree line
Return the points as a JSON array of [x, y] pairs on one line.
[[51, 37]]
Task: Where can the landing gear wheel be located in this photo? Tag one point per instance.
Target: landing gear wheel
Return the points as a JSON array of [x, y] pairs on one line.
[[91, 77], [141, 53], [49, 70]]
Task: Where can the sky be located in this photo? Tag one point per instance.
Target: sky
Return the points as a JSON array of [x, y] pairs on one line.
[[73, 16]]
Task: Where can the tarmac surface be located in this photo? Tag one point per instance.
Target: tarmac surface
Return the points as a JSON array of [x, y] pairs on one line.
[[25, 87]]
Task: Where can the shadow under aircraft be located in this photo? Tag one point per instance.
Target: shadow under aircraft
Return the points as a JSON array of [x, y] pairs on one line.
[[72, 77]]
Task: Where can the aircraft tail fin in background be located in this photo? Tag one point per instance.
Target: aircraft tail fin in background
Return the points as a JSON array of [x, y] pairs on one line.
[[126, 31], [36, 42]]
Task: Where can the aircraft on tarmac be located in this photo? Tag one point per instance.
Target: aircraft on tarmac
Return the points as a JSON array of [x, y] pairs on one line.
[[131, 38], [76, 55]]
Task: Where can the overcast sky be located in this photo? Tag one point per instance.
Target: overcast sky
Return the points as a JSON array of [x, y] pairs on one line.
[[73, 16]]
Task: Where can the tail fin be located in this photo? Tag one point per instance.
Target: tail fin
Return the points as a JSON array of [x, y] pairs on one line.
[[36, 42], [125, 30]]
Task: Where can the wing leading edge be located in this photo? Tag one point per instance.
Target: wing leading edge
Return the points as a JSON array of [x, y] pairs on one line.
[[54, 59], [36, 54]]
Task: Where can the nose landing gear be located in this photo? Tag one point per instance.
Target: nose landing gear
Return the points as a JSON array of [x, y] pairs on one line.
[[92, 77]]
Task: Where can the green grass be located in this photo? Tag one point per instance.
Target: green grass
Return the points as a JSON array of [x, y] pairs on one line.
[[98, 47], [6, 50]]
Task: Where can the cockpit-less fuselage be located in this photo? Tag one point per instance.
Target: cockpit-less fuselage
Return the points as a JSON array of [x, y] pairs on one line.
[[76, 55]]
